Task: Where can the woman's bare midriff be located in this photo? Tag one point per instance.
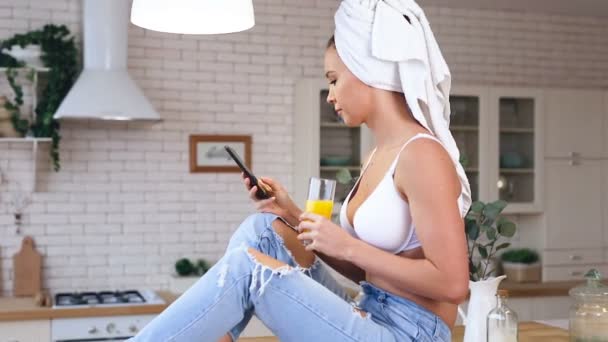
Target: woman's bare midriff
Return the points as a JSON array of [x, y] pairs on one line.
[[446, 311]]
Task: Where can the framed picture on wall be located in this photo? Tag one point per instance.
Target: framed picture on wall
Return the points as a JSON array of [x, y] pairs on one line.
[[207, 153]]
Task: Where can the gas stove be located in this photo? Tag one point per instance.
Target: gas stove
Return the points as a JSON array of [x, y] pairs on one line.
[[101, 328], [106, 298]]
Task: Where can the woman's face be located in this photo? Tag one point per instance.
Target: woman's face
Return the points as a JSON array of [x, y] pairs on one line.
[[351, 98]]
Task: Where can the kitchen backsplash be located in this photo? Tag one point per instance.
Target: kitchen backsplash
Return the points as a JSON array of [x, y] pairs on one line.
[[124, 206]]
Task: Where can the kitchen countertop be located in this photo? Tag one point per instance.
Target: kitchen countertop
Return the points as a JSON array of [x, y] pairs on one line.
[[528, 332], [555, 288], [19, 309], [24, 308]]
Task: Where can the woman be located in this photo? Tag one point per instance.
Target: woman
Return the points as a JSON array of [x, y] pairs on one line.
[[401, 234]]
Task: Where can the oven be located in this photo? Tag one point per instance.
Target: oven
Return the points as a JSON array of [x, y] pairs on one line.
[[101, 328]]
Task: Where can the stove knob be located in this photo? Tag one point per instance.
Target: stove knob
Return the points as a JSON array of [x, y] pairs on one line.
[[133, 328], [93, 330], [110, 328]]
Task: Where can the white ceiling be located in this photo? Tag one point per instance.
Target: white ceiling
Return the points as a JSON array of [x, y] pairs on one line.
[[597, 8]]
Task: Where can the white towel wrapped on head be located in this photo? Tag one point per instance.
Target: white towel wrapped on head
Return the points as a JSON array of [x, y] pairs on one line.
[[388, 44]]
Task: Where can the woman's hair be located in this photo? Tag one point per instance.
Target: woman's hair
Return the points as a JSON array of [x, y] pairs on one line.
[[331, 43]]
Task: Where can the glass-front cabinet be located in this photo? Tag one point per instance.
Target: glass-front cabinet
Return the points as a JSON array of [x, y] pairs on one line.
[[323, 143], [497, 130], [518, 163], [499, 133]]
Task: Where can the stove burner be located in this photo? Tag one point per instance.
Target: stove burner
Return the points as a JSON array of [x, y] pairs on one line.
[[99, 298]]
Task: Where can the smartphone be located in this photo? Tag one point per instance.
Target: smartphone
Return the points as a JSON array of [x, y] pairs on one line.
[[253, 181]]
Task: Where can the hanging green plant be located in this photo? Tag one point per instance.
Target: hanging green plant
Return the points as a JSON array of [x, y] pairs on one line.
[[60, 55]]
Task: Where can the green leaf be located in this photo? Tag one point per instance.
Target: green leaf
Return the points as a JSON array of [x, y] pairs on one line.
[[500, 205], [477, 207], [491, 234], [491, 213], [507, 229], [484, 228], [343, 176], [502, 246], [473, 233], [482, 251]]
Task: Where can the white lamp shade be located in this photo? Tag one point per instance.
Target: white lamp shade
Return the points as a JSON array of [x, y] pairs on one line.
[[193, 16]]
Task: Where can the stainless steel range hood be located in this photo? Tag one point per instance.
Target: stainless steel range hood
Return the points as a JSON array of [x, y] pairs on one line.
[[104, 89]]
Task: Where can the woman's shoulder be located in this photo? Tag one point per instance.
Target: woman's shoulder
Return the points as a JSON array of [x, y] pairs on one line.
[[426, 163]]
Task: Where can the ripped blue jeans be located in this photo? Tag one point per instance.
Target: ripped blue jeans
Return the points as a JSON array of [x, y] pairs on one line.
[[297, 304]]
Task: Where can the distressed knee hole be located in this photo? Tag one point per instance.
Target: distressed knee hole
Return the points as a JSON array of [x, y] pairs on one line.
[[288, 238], [266, 260]]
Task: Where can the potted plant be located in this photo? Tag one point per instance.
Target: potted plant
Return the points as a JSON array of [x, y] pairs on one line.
[[521, 265], [187, 273], [484, 228]]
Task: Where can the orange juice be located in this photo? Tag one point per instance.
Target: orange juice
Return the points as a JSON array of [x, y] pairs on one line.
[[319, 207]]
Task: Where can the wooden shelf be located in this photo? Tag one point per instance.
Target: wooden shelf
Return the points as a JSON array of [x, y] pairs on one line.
[[336, 168], [520, 171], [333, 125], [25, 140], [37, 69], [457, 128], [517, 130]]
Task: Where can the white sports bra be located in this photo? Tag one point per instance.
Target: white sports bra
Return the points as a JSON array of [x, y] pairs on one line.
[[384, 219]]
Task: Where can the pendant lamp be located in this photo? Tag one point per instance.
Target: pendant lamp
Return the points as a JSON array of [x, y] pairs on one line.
[[193, 16]]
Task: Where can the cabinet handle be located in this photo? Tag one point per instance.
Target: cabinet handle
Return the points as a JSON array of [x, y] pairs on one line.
[[576, 257], [576, 273], [574, 158]]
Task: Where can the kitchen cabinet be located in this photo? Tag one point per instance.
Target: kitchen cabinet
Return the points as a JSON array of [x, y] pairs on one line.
[[25, 331], [323, 144], [498, 131], [515, 138], [574, 123], [605, 205], [575, 182], [605, 124], [535, 308], [573, 206], [468, 124]]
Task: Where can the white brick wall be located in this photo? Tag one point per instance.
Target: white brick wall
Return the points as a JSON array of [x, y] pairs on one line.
[[124, 206]]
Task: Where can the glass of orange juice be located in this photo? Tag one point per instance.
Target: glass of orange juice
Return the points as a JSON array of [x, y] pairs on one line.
[[320, 199]]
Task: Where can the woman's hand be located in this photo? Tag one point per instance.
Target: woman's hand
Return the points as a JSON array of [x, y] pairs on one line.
[[279, 204], [325, 236]]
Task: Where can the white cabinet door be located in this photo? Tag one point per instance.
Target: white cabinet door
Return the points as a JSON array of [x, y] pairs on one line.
[[25, 331], [573, 204], [574, 123], [544, 308], [606, 124], [605, 203]]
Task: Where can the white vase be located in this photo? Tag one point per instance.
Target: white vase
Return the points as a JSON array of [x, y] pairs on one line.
[[481, 301]]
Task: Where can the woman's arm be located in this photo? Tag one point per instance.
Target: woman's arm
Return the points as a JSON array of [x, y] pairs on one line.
[[343, 267], [427, 172]]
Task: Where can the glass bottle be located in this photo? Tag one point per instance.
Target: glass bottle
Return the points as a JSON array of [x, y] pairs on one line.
[[502, 320], [589, 312]]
